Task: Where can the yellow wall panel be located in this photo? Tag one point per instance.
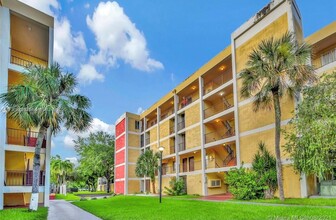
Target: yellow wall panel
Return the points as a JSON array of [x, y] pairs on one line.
[[153, 134], [164, 129], [131, 170], [216, 190], [193, 137], [192, 115], [133, 186], [133, 140], [194, 184], [133, 155]]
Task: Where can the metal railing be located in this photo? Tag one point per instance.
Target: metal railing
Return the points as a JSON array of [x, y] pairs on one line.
[[181, 125], [215, 83], [217, 108], [190, 167], [181, 146], [147, 141], [187, 100], [215, 136], [167, 113], [23, 138], [22, 178], [172, 129], [172, 149], [25, 60], [168, 169]]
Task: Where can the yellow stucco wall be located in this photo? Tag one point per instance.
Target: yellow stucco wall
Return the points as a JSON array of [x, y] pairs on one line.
[[216, 190], [249, 144], [16, 199], [133, 186], [131, 170], [192, 115], [165, 144], [153, 134], [291, 182], [164, 129], [133, 140], [133, 155], [193, 137], [275, 29], [194, 184]]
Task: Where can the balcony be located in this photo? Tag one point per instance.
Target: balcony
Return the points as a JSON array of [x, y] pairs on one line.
[[168, 169], [147, 141], [25, 60], [172, 129], [22, 178], [221, 156], [191, 166], [23, 138], [181, 125], [172, 149], [167, 113], [181, 146], [216, 82], [217, 108], [215, 136]]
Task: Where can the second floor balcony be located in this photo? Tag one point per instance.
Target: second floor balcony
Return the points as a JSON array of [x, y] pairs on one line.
[[23, 138], [25, 60], [22, 178]]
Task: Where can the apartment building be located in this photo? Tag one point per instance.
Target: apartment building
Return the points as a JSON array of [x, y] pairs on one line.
[[26, 38], [204, 125]]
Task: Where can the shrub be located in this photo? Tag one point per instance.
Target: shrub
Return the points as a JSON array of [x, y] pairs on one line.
[[177, 187], [83, 199], [244, 184]]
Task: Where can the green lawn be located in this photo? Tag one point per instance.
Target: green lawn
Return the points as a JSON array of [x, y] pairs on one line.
[[89, 193], [138, 207], [23, 214], [311, 201], [68, 197]]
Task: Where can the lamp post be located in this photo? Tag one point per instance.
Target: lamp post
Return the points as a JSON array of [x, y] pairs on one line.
[[161, 150]]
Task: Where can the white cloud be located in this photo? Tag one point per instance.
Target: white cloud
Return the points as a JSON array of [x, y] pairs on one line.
[[87, 5], [140, 110], [73, 160], [96, 125], [88, 73], [68, 45], [118, 39]]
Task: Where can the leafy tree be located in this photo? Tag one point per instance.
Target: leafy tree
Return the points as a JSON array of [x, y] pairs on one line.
[[264, 164], [177, 187], [147, 164], [60, 170], [97, 155], [274, 68], [244, 184], [46, 100], [312, 141]]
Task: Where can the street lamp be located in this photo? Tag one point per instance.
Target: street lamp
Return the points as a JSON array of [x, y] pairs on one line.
[[161, 150]]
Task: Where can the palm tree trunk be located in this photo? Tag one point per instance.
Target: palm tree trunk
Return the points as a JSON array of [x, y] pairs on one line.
[[153, 186], [36, 169], [277, 109]]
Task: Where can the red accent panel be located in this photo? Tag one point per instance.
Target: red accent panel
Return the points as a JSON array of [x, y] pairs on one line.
[[119, 187], [120, 157], [120, 142], [120, 127], [120, 172]]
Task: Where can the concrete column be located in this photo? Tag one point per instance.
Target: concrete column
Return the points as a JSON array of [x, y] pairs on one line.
[[158, 117], [47, 170], [4, 60], [203, 151], [177, 158], [303, 186], [126, 155], [51, 46]]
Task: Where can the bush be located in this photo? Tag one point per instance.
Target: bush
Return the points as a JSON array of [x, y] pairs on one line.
[[244, 184], [83, 199], [177, 187]]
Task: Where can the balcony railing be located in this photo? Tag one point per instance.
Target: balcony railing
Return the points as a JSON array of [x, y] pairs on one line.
[[190, 167], [172, 129], [215, 83], [215, 136], [167, 113], [217, 108], [168, 170], [180, 125], [187, 100], [23, 138], [25, 60], [22, 178], [147, 141], [172, 149], [182, 146]]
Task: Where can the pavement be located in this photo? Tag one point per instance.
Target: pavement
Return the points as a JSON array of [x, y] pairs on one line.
[[63, 210]]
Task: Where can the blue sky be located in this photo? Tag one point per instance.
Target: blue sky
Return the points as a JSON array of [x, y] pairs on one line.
[[128, 54]]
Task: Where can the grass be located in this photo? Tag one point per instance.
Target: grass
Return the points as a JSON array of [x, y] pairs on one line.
[[90, 193], [68, 197], [307, 201], [139, 207], [23, 214]]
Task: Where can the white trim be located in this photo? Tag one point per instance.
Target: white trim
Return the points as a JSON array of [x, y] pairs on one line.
[[283, 162], [47, 169], [135, 178], [18, 148], [220, 114], [188, 106], [133, 148], [51, 48], [264, 128], [327, 67], [188, 128], [16, 68], [119, 165], [133, 132], [120, 118], [303, 185], [195, 172], [166, 119], [190, 150], [121, 149], [126, 156], [167, 137], [222, 141], [121, 134], [245, 101], [228, 83], [168, 156], [119, 180], [21, 189], [151, 127], [177, 157], [220, 169], [203, 152], [131, 163]]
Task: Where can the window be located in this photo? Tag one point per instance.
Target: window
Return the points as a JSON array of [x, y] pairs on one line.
[[137, 125], [328, 57], [174, 165]]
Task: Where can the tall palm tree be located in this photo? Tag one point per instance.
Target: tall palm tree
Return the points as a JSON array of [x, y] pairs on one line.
[[46, 100], [61, 170], [147, 164], [274, 68]]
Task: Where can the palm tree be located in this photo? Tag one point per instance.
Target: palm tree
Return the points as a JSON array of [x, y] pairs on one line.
[[46, 100], [274, 68], [147, 164], [61, 170]]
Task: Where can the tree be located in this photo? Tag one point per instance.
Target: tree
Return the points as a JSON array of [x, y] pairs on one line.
[[46, 100], [275, 68], [264, 164], [147, 164], [312, 141], [60, 170], [97, 154]]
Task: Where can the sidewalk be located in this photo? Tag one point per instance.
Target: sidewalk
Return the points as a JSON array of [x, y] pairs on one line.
[[63, 210]]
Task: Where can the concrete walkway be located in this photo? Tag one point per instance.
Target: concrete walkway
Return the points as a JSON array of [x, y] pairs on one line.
[[63, 210]]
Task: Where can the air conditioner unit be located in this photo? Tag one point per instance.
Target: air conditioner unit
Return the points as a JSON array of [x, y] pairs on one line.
[[214, 183]]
